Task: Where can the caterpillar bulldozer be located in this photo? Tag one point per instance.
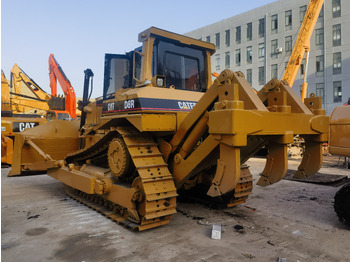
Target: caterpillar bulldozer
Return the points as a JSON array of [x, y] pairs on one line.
[[163, 127]]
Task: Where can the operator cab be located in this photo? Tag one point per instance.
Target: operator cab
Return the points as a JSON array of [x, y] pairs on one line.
[[174, 64], [52, 115]]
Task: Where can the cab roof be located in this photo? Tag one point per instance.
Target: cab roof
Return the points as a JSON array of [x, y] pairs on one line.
[[154, 31]]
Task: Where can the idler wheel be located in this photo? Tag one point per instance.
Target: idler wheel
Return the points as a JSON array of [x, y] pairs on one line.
[[119, 159], [140, 197]]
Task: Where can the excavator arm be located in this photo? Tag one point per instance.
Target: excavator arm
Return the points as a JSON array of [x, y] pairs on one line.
[[23, 100], [302, 45], [18, 76], [56, 73]]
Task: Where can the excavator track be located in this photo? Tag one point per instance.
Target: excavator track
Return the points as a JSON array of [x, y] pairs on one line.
[[157, 201]]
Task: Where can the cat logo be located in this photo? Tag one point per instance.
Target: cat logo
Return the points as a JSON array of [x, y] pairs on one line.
[[186, 105], [21, 126], [110, 106]]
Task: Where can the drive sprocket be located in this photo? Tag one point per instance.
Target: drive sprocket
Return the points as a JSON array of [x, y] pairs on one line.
[[119, 159]]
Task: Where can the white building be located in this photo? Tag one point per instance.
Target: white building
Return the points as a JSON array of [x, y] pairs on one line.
[[259, 43]]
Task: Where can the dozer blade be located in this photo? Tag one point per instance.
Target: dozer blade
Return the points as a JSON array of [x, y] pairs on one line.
[[40, 148]]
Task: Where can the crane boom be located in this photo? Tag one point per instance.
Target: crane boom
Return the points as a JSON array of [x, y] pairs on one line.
[[302, 45], [56, 73]]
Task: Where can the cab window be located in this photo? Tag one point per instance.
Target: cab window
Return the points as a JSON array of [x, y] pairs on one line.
[[182, 66]]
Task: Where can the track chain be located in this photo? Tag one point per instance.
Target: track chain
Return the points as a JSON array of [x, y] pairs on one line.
[[154, 180]]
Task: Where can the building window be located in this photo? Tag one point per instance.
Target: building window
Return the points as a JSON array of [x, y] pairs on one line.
[[249, 31], [227, 38], [207, 39], [238, 34], [336, 63], [319, 39], [337, 35], [274, 24], [261, 75], [261, 50], [217, 40], [302, 11], [238, 57], [320, 16], [227, 59], [288, 21], [249, 55], [319, 64], [274, 45], [249, 76], [302, 67], [336, 8], [217, 61], [288, 44], [337, 94], [320, 90], [262, 27], [274, 71]]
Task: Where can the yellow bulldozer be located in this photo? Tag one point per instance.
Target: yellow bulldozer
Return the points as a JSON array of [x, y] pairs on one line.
[[163, 127]]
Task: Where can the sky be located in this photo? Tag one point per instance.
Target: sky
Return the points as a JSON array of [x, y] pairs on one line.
[[80, 32]]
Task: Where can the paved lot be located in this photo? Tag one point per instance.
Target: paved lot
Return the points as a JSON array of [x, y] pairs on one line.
[[289, 220]]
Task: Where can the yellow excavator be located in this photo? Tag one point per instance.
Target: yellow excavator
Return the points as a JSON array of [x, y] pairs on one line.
[[12, 122], [162, 127], [27, 97], [24, 104]]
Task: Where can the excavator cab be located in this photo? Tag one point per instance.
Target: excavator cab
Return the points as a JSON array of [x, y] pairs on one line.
[[59, 115]]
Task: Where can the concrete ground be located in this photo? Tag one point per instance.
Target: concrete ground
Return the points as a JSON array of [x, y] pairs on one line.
[[291, 220]]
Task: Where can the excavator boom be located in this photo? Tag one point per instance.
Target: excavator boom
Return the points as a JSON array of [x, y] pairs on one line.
[[32, 98], [56, 73]]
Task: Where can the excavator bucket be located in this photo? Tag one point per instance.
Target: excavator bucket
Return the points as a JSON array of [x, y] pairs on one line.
[[39, 148]]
